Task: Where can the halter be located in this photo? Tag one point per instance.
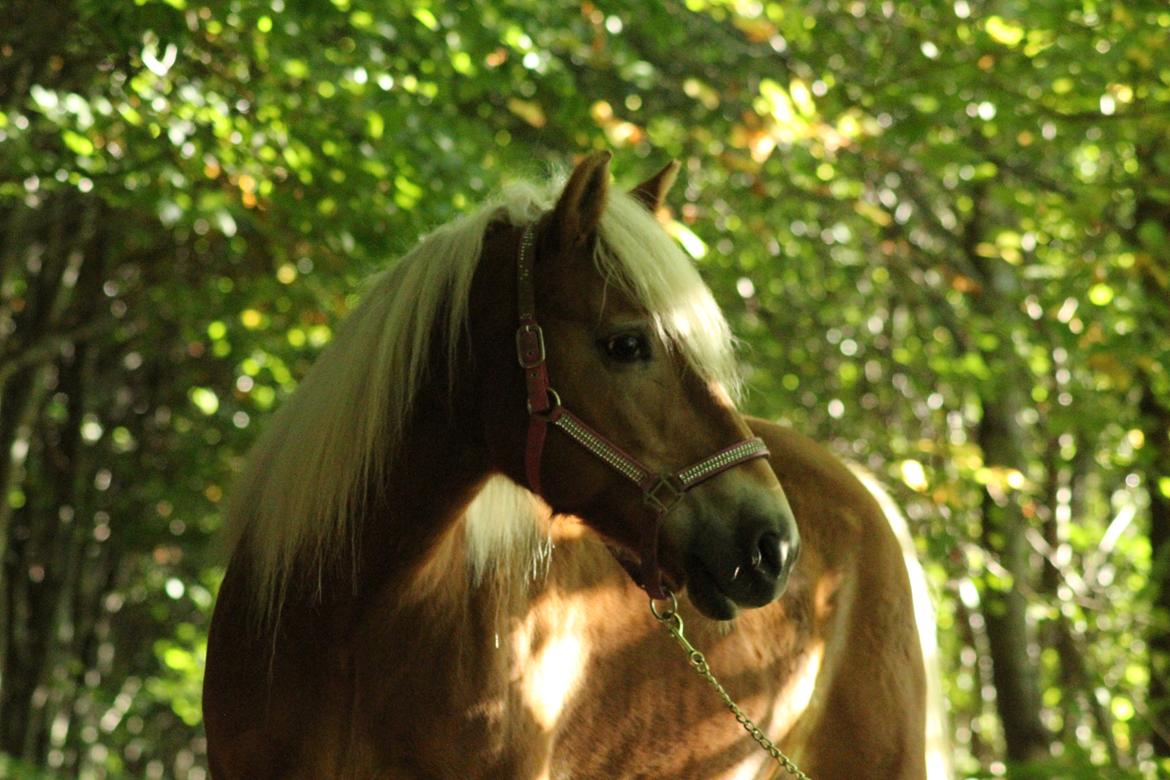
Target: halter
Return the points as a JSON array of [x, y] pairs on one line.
[[660, 492]]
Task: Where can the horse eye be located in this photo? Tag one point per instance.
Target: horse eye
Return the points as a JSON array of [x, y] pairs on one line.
[[627, 348]]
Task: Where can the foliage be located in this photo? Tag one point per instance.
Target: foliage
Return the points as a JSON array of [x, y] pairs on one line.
[[922, 218]]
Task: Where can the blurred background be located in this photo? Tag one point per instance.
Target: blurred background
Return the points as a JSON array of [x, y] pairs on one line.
[[942, 230]]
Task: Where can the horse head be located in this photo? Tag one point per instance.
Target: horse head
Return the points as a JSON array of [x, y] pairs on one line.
[[626, 364]]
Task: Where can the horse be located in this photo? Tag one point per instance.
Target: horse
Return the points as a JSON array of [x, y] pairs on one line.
[[442, 547]]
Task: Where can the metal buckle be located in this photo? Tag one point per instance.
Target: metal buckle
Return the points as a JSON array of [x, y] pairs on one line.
[[654, 499], [529, 338]]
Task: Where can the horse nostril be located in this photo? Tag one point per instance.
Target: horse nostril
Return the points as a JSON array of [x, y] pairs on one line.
[[770, 554]]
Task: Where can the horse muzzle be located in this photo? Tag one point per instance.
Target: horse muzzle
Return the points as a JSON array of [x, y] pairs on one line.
[[744, 561]]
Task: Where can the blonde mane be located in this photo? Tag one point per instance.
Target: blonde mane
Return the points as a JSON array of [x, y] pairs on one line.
[[300, 498]]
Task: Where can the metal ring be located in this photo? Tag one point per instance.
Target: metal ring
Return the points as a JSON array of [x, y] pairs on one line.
[[554, 400], [670, 612]]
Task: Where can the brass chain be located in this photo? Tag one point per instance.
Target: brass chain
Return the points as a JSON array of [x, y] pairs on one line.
[[673, 623]]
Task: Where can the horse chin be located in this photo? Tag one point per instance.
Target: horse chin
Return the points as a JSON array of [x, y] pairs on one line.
[[706, 595]]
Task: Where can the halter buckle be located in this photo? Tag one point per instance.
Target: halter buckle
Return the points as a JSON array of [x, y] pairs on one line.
[[530, 345], [662, 495]]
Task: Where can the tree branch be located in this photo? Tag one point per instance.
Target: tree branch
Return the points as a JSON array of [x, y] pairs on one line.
[[47, 348]]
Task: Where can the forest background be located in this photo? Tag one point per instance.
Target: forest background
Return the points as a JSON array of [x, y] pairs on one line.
[[942, 230]]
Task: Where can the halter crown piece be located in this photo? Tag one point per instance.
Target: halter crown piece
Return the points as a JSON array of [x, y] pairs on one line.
[[660, 492]]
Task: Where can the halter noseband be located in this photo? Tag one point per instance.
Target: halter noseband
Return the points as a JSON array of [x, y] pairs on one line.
[[660, 492]]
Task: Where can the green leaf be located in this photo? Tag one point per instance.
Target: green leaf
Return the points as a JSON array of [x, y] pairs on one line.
[[77, 143]]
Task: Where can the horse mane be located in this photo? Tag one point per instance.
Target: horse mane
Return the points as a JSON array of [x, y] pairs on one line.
[[304, 488]]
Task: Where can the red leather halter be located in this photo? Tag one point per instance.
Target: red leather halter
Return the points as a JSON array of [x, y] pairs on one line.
[[660, 492]]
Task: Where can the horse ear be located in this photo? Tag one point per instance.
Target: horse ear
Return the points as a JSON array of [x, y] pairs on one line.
[[653, 191], [579, 208]]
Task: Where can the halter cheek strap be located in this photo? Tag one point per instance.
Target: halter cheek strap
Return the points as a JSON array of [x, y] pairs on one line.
[[660, 492], [530, 352]]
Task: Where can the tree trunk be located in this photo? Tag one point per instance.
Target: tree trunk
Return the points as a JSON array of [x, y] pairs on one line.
[[19, 401], [1156, 423], [41, 535], [1151, 210], [1013, 667], [1003, 527]]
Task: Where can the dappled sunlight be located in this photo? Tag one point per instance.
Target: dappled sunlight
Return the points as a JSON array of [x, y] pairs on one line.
[[797, 695], [552, 676]]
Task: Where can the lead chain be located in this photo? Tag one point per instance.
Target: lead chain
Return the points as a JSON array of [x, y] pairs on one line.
[[673, 623]]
